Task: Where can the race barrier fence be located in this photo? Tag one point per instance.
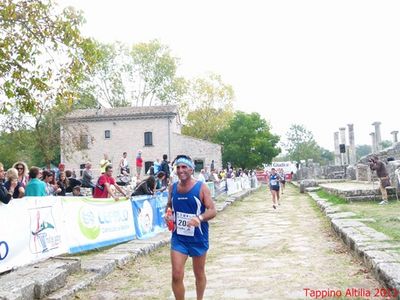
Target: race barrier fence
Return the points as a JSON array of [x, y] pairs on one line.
[[36, 228]]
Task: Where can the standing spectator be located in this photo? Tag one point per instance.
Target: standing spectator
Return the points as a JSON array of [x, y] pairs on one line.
[[104, 163], [212, 167], [376, 165], [201, 176], [5, 196], [165, 169], [12, 178], [57, 171], [22, 169], [103, 186], [124, 164], [35, 187], [157, 166], [139, 164]]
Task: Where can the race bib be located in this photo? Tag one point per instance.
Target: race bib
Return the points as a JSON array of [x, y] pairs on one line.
[[274, 182], [182, 219]]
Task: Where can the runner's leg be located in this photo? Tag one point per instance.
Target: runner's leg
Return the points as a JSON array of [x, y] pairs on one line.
[[199, 263], [178, 261]]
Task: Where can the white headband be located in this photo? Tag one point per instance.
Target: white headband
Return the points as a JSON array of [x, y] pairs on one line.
[[185, 161]]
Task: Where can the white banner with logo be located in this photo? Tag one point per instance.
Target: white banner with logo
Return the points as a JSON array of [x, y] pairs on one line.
[[32, 229], [94, 223]]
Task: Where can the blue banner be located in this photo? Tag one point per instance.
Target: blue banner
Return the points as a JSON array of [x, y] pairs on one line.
[[148, 214]]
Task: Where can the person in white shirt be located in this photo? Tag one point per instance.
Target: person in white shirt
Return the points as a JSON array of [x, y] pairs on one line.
[[201, 176]]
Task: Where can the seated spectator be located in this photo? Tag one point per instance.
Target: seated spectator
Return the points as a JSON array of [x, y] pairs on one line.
[[160, 187], [22, 169], [73, 182], [103, 187], [35, 187], [146, 187], [87, 176], [51, 188], [76, 191], [12, 178], [5, 196], [62, 184]]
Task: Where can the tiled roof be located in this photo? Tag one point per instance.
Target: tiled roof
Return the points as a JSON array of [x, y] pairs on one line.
[[135, 112]]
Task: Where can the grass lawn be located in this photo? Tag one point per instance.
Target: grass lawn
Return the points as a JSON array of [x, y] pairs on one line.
[[387, 217]]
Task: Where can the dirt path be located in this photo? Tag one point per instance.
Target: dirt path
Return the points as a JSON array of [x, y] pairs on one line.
[[256, 253]]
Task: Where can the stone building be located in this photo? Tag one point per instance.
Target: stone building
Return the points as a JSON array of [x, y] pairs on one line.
[[87, 134]]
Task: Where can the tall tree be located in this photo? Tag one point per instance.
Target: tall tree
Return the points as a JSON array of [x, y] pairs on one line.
[[247, 141], [211, 107], [301, 144], [153, 74], [105, 83], [41, 54]]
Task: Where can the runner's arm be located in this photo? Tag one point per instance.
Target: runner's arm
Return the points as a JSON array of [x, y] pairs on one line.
[[206, 198]]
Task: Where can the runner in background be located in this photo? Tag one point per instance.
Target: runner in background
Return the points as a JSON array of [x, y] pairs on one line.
[[274, 187]]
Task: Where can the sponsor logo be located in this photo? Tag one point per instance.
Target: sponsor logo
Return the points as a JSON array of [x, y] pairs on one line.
[[3, 250]]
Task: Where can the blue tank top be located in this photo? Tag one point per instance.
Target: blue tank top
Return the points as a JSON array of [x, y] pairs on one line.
[[274, 180], [185, 207]]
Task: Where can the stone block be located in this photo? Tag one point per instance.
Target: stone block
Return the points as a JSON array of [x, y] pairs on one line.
[[49, 281], [389, 273], [342, 215], [102, 267], [13, 287]]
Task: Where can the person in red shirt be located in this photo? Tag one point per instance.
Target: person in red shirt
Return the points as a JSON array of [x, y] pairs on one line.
[[139, 164], [103, 186]]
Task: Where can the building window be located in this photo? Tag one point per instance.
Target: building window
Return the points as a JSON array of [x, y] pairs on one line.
[[107, 134], [81, 168], [147, 165], [198, 165], [148, 138], [84, 141]]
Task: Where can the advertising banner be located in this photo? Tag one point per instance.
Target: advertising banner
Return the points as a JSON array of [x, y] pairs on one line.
[[32, 229], [94, 223], [149, 214]]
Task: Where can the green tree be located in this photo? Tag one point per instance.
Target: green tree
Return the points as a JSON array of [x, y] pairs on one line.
[[363, 150], [301, 144], [386, 144], [211, 107], [42, 54], [247, 141], [327, 156], [105, 82], [153, 74]]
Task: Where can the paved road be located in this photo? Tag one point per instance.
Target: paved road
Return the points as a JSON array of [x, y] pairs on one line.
[[256, 253]]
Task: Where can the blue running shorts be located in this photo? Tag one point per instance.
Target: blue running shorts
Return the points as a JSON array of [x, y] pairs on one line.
[[187, 248]]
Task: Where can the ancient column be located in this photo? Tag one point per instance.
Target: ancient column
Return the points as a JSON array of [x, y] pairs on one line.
[[374, 150], [337, 150], [352, 145], [343, 142], [378, 139], [394, 134]]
